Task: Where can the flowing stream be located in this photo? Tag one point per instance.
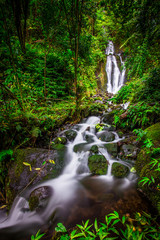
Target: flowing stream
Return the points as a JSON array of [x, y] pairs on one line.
[[115, 76], [76, 194]]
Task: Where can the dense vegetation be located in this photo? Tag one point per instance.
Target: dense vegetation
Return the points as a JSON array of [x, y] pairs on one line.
[[51, 56]]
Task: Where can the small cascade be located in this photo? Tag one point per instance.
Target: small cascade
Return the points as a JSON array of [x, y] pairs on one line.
[[75, 188], [115, 76]]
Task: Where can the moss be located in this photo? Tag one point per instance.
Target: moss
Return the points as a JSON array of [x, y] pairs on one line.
[[153, 133], [94, 149], [151, 191], [119, 170], [98, 164], [33, 202], [143, 158], [60, 140]]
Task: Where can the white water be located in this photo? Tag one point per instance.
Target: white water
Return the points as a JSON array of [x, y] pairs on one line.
[[115, 76], [66, 187]]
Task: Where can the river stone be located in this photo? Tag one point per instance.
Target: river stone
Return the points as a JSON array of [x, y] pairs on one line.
[[39, 198], [19, 175], [70, 134], [81, 147], [89, 138], [97, 164], [106, 136], [129, 151], [112, 149], [119, 170], [108, 118], [94, 149]]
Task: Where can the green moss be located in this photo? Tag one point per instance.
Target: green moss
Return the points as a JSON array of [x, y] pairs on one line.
[[33, 202], [94, 149], [58, 146], [98, 164], [153, 133], [119, 170], [143, 158]]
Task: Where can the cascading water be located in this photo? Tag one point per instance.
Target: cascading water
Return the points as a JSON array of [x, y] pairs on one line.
[[115, 77], [75, 194]]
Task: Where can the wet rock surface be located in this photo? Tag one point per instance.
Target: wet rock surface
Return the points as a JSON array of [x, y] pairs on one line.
[[106, 136], [119, 170], [98, 164]]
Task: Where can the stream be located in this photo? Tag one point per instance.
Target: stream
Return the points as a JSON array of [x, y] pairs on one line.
[[77, 194]]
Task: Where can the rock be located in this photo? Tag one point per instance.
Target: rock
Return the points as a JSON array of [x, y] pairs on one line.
[[70, 135], [58, 146], [98, 164], [108, 118], [19, 175], [153, 133], [106, 136], [119, 170], [89, 137], [60, 140], [39, 198], [94, 149], [112, 149], [129, 151], [81, 147]]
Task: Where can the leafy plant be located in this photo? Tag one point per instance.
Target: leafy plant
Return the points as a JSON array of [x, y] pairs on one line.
[[37, 236]]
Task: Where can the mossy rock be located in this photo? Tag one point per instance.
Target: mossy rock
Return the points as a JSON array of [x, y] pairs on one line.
[[81, 147], [151, 191], [98, 164], [94, 149], [106, 136], [60, 140], [112, 149], [19, 175], [143, 158], [153, 133], [70, 134], [119, 170], [108, 118]]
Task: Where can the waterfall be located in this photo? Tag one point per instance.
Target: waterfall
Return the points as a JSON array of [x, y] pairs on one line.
[[115, 76]]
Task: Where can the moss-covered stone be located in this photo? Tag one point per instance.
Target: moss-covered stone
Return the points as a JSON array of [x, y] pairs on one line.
[[98, 164], [70, 134], [106, 136], [143, 158], [94, 149], [119, 170], [81, 147], [58, 146], [112, 149], [153, 133]]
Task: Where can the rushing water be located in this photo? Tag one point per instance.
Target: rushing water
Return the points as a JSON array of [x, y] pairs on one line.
[[75, 194], [115, 76]]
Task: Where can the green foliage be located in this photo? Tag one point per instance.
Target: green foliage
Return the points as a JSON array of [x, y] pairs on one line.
[[37, 236], [141, 227]]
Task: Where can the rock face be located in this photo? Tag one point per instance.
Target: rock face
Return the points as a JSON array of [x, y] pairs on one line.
[[97, 164], [108, 118], [119, 170], [106, 136], [20, 175]]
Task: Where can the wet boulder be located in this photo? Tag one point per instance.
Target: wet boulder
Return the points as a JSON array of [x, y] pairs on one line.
[[98, 164], [94, 149], [39, 198], [29, 167], [129, 151], [119, 170], [106, 136], [70, 135], [81, 147], [112, 149], [89, 137]]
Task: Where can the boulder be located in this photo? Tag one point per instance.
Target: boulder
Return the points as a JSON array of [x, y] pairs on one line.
[[81, 147], [106, 136], [129, 151], [94, 149], [119, 170], [70, 134], [39, 198], [60, 140], [112, 149], [39, 167], [98, 164]]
